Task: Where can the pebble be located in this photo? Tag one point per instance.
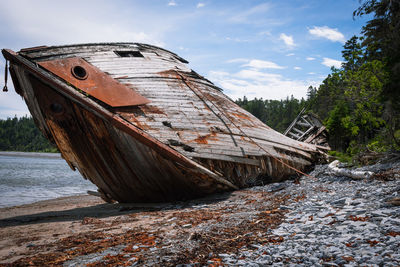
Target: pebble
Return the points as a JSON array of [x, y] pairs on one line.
[[350, 224]]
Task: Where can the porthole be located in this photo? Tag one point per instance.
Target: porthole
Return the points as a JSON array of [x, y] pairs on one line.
[[56, 108], [79, 72]]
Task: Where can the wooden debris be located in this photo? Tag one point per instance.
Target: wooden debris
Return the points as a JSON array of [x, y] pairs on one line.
[[394, 201], [308, 128]]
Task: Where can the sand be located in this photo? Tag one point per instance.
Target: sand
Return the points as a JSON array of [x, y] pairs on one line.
[[85, 230], [44, 222]]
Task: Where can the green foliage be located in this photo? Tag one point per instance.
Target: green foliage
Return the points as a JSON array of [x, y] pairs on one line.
[[364, 89], [342, 157], [352, 54], [21, 134], [337, 124], [382, 42], [377, 145]]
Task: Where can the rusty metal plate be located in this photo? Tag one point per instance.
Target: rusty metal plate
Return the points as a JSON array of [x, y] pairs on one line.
[[94, 82]]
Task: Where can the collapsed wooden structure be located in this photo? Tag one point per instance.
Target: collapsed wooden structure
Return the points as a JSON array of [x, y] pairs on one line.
[[142, 126], [308, 128]]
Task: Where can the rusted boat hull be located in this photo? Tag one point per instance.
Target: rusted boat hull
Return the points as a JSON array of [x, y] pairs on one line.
[[179, 138]]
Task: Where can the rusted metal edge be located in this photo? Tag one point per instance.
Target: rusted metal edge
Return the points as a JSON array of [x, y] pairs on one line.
[[30, 49], [114, 119]]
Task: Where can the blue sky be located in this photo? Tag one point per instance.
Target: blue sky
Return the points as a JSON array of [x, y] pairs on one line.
[[269, 49]]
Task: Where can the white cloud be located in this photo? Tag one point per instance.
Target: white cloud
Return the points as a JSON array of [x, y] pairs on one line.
[[329, 62], [218, 74], [256, 75], [310, 58], [172, 3], [262, 64], [297, 68], [238, 60], [328, 33], [287, 39], [200, 5], [290, 54], [311, 73], [256, 83]]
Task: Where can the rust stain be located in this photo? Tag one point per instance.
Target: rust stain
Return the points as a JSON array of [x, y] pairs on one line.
[[152, 109], [241, 115], [138, 123], [170, 74], [203, 139]]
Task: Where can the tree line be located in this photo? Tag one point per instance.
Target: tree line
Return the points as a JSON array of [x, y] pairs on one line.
[[360, 102], [21, 134]]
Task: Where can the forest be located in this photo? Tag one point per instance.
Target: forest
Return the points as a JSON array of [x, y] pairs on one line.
[[359, 103], [21, 134]]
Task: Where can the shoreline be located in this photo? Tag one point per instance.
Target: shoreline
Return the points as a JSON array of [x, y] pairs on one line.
[[42, 202], [30, 154]]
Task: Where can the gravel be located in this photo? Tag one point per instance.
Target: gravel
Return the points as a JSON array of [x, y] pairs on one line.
[[339, 222]]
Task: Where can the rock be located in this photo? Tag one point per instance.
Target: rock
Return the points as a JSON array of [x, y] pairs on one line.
[[339, 202], [276, 187], [330, 264]]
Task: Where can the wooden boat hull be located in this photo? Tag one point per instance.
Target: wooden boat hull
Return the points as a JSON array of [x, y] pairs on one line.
[[142, 148]]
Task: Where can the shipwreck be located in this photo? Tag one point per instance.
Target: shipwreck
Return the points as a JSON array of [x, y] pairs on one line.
[[143, 127]]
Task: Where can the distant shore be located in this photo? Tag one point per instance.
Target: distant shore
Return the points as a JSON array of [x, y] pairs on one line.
[[30, 154]]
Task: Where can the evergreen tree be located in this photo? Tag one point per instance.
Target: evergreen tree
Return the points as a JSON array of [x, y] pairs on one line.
[[352, 54]]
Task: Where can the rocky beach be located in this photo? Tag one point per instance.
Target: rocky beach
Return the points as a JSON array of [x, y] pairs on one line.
[[316, 220]]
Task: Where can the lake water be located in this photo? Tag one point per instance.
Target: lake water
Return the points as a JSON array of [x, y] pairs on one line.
[[31, 177]]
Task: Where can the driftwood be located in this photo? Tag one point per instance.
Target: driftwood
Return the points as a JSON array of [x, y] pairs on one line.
[[332, 167], [394, 201]]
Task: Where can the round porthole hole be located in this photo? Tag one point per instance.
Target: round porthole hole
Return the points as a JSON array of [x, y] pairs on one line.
[[79, 72], [56, 108]]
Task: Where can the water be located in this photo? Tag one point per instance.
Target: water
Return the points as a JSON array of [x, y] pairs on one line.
[[31, 177]]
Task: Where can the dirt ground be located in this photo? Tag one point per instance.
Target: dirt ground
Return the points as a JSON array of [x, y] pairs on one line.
[[83, 230]]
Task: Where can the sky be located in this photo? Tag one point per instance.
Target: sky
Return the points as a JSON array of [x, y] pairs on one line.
[[270, 49]]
